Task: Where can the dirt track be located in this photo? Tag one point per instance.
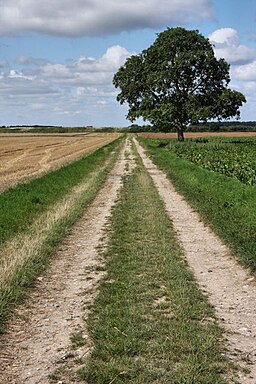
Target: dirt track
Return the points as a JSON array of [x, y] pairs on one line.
[[231, 289], [39, 341]]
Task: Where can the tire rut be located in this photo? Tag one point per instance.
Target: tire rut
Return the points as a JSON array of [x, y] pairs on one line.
[[230, 288], [38, 338]]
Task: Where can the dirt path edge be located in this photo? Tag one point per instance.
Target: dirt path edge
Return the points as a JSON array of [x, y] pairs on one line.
[[230, 288]]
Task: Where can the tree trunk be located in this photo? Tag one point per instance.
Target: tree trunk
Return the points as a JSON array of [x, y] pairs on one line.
[[180, 135]]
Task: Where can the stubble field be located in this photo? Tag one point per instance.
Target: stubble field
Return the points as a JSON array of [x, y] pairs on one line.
[[26, 156], [191, 135]]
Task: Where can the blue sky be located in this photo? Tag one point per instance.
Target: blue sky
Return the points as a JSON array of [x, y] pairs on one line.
[[58, 57]]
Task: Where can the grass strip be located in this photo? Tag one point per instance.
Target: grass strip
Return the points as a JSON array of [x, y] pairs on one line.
[[21, 205], [224, 203], [150, 323], [27, 254]]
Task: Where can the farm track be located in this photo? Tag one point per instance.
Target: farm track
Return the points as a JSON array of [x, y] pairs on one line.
[[231, 289], [38, 341]]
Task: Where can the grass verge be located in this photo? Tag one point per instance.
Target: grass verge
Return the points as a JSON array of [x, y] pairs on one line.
[[150, 322], [26, 254], [224, 203], [21, 205]]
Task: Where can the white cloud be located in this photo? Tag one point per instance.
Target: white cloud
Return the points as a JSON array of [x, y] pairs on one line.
[[98, 17], [227, 45], [19, 75], [72, 90], [246, 72]]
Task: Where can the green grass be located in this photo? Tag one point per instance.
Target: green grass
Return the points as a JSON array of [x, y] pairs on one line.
[[93, 169], [22, 204], [150, 322], [226, 204]]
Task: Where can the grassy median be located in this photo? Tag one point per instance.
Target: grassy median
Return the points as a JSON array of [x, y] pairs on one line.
[[150, 322]]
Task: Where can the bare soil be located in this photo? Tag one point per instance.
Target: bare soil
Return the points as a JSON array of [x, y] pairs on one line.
[[231, 288], [190, 135], [38, 340], [25, 156]]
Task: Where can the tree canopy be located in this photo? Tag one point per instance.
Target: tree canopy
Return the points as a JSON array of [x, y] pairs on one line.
[[177, 81]]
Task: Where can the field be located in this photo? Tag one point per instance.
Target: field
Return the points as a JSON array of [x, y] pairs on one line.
[[191, 135], [108, 275], [25, 156], [234, 157]]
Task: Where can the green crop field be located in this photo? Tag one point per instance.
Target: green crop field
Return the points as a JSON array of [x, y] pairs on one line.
[[230, 156]]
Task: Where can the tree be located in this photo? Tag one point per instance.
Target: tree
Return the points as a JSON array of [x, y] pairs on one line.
[[177, 81]]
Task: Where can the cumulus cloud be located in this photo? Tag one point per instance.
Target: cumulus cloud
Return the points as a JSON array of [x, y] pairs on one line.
[[98, 17], [227, 45], [61, 90], [87, 71], [246, 72]]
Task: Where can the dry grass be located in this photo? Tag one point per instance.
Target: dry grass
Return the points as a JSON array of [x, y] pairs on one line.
[[25, 156], [23, 246]]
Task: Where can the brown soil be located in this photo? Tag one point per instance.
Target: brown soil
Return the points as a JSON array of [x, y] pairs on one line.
[[231, 289], [38, 338], [25, 156], [173, 135]]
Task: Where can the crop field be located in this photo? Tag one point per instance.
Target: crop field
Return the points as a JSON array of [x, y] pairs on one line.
[[228, 156], [26, 156], [132, 264]]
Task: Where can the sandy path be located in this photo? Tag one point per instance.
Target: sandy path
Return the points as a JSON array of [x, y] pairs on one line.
[[38, 341], [231, 289]]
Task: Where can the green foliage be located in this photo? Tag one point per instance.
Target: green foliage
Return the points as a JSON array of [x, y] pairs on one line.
[[235, 157], [177, 81]]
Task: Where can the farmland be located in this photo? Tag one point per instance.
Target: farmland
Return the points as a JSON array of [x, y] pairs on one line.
[[191, 135], [114, 296], [25, 156], [228, 156]]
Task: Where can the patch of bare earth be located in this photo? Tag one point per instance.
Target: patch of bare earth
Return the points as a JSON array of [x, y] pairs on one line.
[[231, 289], [38, 341], [173, 135]]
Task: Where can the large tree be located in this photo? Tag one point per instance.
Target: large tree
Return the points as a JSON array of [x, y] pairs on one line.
[[177, 81]]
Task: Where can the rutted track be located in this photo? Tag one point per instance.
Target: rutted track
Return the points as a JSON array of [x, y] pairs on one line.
[[39, 338], [231, 289], [38, 341]]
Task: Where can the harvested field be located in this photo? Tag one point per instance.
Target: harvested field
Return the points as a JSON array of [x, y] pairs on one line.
[[191, 135], [26, 156]]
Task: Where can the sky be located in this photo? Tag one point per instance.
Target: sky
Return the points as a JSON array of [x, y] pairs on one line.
[[58, 57]]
